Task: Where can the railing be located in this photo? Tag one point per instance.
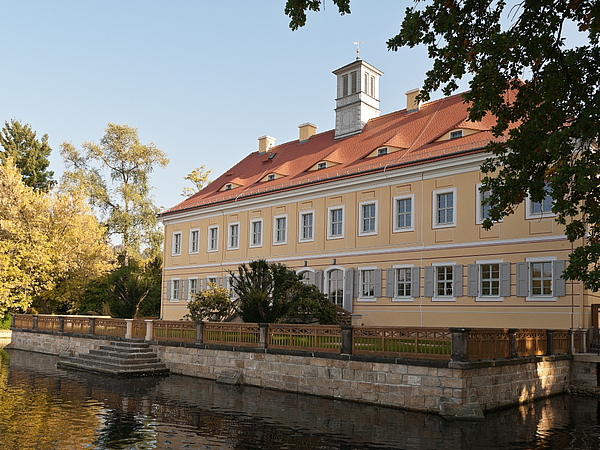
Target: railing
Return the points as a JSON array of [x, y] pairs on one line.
[[138, 329], [110, 327], [432, 343], [239, 334], [174, 330], [315, 338], [48, 323], [487, 344], [531, 342], [562, 342], [76, 325], [23, 321]]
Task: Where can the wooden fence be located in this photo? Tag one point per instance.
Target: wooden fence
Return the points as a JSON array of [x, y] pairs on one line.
[[397, 342]]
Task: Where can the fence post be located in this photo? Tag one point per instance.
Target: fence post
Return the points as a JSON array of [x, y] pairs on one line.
[[92, 325], [199, 332], [347, 334], [512, 342], [35, 318], [460, 350], [263, 335], [61, 324], [550, 342], [149, 329], [129, 332]]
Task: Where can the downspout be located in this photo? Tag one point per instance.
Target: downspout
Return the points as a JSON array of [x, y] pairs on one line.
[[421, 263]]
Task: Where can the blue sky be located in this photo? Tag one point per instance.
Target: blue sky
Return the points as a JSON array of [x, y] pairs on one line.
[[202, 80]]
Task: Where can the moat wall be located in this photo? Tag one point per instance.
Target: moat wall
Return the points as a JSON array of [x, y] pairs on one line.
[[419, 385]]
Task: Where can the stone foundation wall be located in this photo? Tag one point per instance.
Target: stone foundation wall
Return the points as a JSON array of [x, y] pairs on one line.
[[412, 385], [585, 371]]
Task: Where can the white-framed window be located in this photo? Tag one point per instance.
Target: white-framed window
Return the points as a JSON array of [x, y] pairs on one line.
[[229, 285], [176, 249], [280, 230], [444, 208], [444, 276], [403, 282], [335, 222], [403, 213], [271, 177], [536, 210], [382, 151], [193, 287], [322, 165], [256, 233], [306, 226], [368, 218], [228, 186], [175, 289], [353, 82], [539, 278], [366, 283], [233, 238], [334, 280], [488, 280], [211, 280], [194, 241], [456, 134], [344, 85], [482, 211], [213, 239]]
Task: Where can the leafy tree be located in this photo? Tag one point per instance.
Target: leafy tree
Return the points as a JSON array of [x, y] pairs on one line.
[[50, 245], [544, 92], [212, 304], [199, 178], [115, 176], [270, 292], [29, 154]]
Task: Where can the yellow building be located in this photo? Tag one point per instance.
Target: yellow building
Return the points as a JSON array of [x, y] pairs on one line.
[[383, 214]]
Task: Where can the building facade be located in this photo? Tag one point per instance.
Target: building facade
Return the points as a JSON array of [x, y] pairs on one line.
[[384, 215]]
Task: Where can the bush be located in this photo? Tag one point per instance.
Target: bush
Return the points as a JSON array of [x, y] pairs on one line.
[[5, 322], [212, 304]]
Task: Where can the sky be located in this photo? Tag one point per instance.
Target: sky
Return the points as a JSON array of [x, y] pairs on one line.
[[202, 80]]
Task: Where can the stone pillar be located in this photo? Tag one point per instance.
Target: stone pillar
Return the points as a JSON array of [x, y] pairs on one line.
[[263, 335], [347, 341], [92, 325], [129, 332], [61, 324], [459, 344], [35, 318], [550, 342], [571, 341], [356, 319], [512, 342], [199, 332], [149, 329]]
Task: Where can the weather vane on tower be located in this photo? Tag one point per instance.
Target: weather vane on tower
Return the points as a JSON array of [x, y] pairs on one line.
[[357, 43]]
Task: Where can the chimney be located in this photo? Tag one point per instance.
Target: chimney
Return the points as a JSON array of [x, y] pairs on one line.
[[412, 105], [265, 143], [306, 131]]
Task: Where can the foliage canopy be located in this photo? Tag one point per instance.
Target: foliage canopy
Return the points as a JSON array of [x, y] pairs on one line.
[[212, 304], [199, 178], [551, 128]]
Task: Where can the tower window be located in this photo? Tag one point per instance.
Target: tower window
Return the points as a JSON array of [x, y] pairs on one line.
[[354, 82], [344, 85]]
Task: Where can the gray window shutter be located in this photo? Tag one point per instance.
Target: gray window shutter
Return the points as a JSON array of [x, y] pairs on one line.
[[377, 283], [522, 279], [428, 282], [318, 279], [472, 280], [457, 281], [311, 277], [185, 289], [348, 289], [169, 289], [204, 283], [389, 283], [356, 286], [558, 283], [505, 279], [219, 282], [415, 282]]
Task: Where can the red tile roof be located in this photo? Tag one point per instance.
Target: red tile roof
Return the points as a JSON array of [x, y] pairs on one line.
[[415, 134]]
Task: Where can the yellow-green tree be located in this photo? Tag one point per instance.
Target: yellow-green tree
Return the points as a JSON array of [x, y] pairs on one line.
[[199, 178], [50, 245]]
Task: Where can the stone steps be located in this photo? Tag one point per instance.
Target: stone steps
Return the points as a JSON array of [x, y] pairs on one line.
[[120, 359]]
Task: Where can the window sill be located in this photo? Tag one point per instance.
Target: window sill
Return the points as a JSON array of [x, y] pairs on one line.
[[403, 230], [403, 299], [366, 299], [193, 253], [367, 233], [540, 299], [279, 243], [443, 299], [255, 246], [444, 225], [489, 299], [174, 300], [329, 238], [212, 250]]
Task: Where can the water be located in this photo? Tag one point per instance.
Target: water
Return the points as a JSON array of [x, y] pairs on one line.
[[42, 407]]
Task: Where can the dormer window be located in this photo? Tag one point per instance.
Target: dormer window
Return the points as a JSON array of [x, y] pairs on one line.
[[271, 177], [456, 134], [382, 151], [322, 165], [228, 187]]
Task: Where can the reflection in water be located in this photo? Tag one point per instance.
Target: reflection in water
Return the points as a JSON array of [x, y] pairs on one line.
[[45, 408]]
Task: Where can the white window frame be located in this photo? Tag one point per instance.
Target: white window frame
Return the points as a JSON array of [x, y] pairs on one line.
[[443, 298], [215, 279], [176, 246], [252, 243], [529, 214], [197, 241], [359, 294], [381, 151], [271, 177], [462, 134], [395, 228], [209, 248], [539, 298], [403, 298], [361, 223], [487, 298], [301, 226], [435, 208], [322, 165], [174, 298], [228, 285], [326, 273], [198, 287], [230, 235], [275, 230], [329, 223]]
